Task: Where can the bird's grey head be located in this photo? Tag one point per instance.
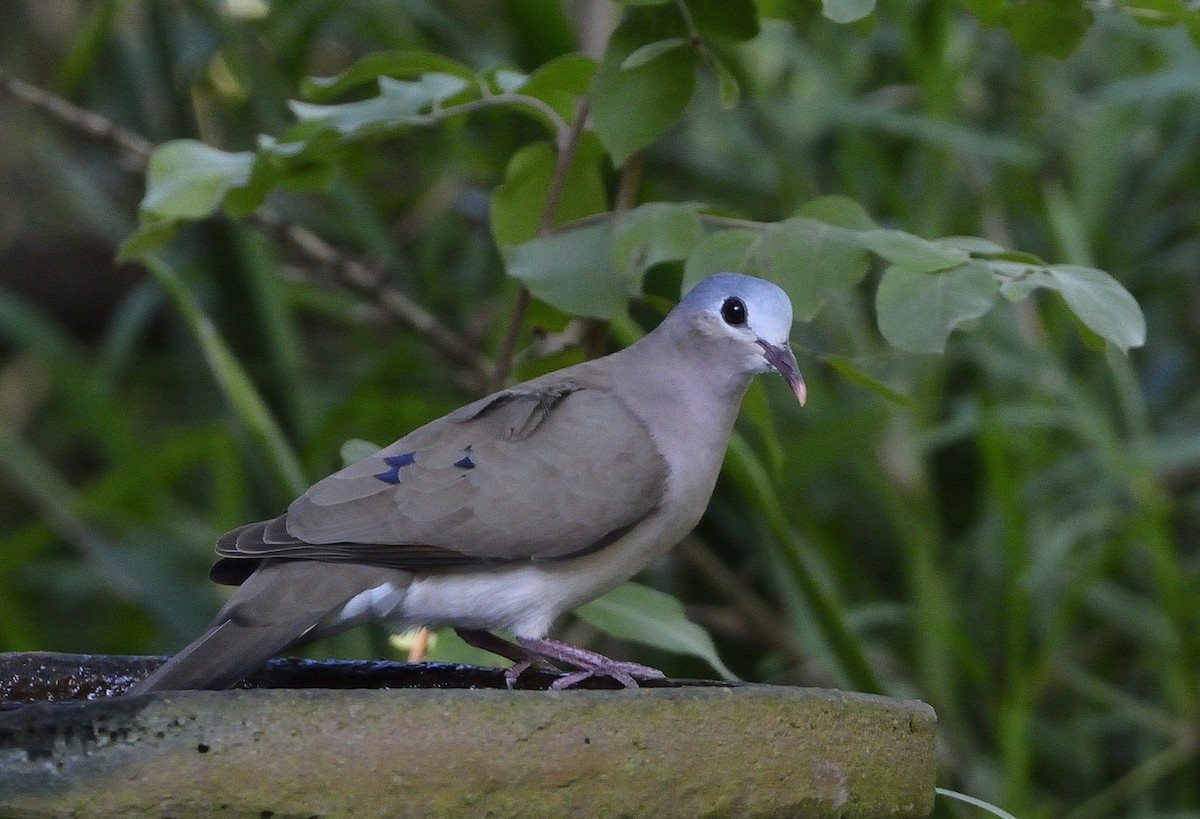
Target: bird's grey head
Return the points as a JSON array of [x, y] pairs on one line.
[[749, 315]]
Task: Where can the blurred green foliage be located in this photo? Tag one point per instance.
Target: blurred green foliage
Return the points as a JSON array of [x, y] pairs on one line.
[[1006, 530]]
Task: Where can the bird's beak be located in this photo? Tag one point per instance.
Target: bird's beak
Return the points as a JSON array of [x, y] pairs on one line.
[[783, 362]]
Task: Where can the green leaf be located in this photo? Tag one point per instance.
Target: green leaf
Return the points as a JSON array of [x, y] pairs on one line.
[[561, 83], [810, 260], [1051, 27], [150, 235], [756, 416], [571, 271], [1098, 300], [1101, 304], [838, 210], [854, 375], [645, 615], [974, 245], [912, 252], [847, 11], [917, 311], [395, 64], [726, 251], [399, 102], [633, 107], [188, 179], [651, 51], [507, 80], [729, 90], [1017, 287], [735, 20], [990, 12], [1018, 257], [651, 234], [237, 386], [356, 449], [517, 205]]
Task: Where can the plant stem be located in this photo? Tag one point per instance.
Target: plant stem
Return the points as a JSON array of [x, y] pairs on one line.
[[568, 145]]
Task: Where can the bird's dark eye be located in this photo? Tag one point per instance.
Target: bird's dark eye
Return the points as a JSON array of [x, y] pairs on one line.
[[734, 311]]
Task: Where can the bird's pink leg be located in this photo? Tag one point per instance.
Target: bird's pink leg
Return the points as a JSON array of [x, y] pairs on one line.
[[589, 663]]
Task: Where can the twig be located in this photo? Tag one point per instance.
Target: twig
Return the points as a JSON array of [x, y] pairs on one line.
[[568, 145], [131, 145], [354, 273], [363, 278]]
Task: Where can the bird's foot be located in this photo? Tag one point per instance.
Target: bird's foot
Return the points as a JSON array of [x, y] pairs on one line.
[[588, 663], [522, 658]]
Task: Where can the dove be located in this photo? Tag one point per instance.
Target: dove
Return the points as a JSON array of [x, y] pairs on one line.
[[511, 511]]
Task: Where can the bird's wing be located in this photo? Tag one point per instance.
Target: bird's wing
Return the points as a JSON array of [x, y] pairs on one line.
[[544, 471]]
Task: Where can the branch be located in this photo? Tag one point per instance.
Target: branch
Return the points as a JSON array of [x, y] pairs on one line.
[[365, 279], [131, 146], [355, 274], [567, 147]]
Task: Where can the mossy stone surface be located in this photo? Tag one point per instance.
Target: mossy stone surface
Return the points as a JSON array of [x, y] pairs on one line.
[[686, 752]]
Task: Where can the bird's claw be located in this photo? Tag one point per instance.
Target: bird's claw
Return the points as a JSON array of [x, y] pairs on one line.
[[588, 664]]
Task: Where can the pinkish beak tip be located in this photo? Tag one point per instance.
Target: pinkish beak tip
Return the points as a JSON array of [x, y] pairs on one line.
[[783, 362]]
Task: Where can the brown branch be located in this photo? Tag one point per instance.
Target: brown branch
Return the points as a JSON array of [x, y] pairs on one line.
[[370, 282], [355, 274], [132, 146], [568, 145]]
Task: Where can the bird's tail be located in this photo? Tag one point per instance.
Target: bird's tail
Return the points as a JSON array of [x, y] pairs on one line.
[[283, 603], [221, 656]]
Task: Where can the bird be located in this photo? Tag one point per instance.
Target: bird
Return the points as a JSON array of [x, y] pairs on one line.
[[511, 511]]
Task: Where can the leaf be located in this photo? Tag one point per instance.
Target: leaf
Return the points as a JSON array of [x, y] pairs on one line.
[[917, 311], [633, 107], [990, 12], [854, 375], [645, 615], [508, 81], [847, 11], [974, 245], [150, 235], [735, 20], [729, 90], [188, 179], [561, 83], [517, 205], [243, 396], [1020, 286], [571, 271], [838, 210], [912, 252], [1101, 304], [1018, 257], [651, 234], [1098, 300], [399, 102], [726, 251], [810, 260], [652, 51], [1050, 27], [356, 449], [395, 64]]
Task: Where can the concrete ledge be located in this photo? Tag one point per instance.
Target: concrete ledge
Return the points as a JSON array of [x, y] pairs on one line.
[[686, 752]]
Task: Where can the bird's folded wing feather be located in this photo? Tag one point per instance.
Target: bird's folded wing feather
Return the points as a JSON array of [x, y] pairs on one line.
[[540, 472]]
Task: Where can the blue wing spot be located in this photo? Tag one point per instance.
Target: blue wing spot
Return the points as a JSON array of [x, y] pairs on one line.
[[396, 462], [465, 462]]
